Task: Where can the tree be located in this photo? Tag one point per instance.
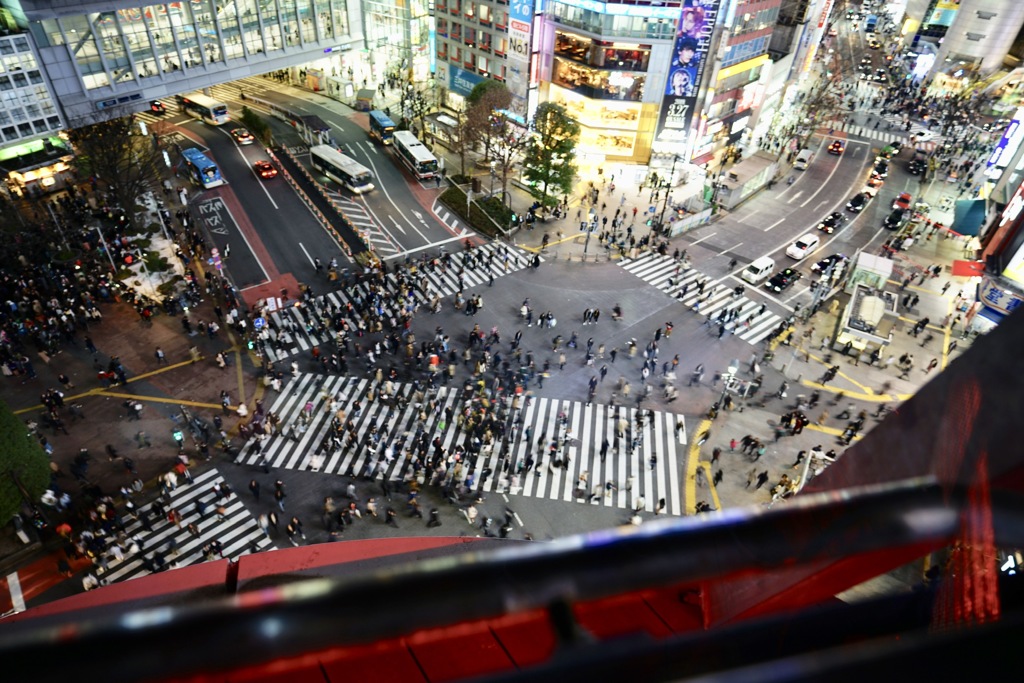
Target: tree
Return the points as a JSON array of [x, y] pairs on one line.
[[484, 106], [510, 141], [549, 152], [258, 126], [125, 162], [24, 467], [463, 138]]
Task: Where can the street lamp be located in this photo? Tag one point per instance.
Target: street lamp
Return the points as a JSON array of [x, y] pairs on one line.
[[727, 378]]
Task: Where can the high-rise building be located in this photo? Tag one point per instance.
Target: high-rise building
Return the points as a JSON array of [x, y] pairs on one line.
[[112, 55]]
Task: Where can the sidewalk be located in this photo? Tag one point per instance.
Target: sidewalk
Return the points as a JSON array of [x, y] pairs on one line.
[[858, 385]]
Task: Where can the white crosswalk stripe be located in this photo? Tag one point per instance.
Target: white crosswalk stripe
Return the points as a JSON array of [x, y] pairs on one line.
[[665, 273], [897, 134], [238, 532], [650, 469], [300, 328]]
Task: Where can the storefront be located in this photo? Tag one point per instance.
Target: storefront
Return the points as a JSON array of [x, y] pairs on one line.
[[608, 129], [36, 168]]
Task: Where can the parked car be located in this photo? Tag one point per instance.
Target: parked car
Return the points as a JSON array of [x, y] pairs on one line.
[[895, 219], [823, 265], [803, 246], [831, 222], [783, 279], [902, 201], [858, 202]]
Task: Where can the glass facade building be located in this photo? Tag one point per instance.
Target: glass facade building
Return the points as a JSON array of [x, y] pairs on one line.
[[27, 109], [114, 53]]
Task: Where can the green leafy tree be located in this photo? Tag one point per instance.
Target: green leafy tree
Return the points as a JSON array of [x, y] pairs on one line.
[[258, 126], [547, 163], [24, 466], [125, 162]]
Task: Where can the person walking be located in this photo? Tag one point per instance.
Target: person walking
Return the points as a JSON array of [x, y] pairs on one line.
[[254, 486]]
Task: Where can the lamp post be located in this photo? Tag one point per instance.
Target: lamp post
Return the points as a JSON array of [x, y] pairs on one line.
[[727, 378]]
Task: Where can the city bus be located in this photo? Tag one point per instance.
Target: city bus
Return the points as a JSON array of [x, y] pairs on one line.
[[199, 106], [415, 155], [342, 169], [201, 170], [382, 128]]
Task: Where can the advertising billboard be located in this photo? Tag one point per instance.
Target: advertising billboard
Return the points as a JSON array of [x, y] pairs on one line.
[[690, 55], [520, 26]]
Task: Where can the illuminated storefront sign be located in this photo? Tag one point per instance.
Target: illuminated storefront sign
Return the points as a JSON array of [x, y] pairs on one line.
[[1009, 143], [690, 56]]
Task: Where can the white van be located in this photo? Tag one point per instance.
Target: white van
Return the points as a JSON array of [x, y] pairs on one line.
[[803, 159], [758, 270], [803, 246]]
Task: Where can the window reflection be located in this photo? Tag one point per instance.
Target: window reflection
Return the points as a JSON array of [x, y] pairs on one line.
[[603, 54], [599, 83]]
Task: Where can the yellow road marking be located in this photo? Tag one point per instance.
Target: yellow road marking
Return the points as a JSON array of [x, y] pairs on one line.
[[692, 463], [711, 484], [160, 399]]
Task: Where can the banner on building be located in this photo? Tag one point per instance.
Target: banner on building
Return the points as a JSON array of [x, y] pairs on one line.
[[689, 60], [462, 81], [517, 65]]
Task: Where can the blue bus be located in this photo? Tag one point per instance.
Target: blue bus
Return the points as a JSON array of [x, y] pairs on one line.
[[382, 128], [201, 170]]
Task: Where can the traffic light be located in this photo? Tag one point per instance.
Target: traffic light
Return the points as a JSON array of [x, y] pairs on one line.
[[129, 259], [250, 344], [649, 222], [515, 219], [179, 437]]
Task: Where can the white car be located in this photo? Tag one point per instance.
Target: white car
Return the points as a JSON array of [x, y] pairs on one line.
[[803, 246]]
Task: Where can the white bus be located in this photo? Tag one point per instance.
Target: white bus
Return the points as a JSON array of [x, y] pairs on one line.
[[415, 155], [199, 106], [342, 169]]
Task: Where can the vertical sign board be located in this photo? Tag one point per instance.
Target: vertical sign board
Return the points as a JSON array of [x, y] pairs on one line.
[[689, 59], [520, 25]]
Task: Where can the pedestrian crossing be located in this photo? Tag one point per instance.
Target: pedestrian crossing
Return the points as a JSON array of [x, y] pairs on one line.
[[897, 134], [225, 92], [752, 322], [640, 462], [299, 328], [238, 531]]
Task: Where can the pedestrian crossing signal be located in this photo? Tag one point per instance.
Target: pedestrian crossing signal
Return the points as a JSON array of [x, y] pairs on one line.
[[250, 344]]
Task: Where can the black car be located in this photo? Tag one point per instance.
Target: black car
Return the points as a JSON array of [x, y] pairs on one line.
[[858, 202], [783, 279], [823, 265], [915, 167], [895, 219], [881, 169], [832, 221], [157, 107]]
